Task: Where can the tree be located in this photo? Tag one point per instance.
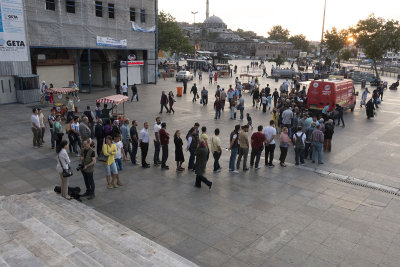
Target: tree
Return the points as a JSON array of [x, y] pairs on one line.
[[376, 36], [345, 55], [246, 34], [279, 60], [170, 36], [278, 33], [335, 41], [300, 42]]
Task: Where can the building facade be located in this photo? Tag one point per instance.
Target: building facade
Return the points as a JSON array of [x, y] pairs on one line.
[[271, 49], [96, 44]]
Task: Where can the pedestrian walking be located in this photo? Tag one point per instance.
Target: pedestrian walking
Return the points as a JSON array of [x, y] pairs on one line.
[[184, 85], [243, 148], [63, 162], [284, 144], [144, 140], [88, 160], [317, 141], [157, 128], [201, 163], [124, 89], [328, 134], [194, 91], [215, 77], [270, 133], [218, 108], [223, 97], [179, 157], [257, 146], [364, 97], [164, 102], [249, 120], [340, 112], [275, 96], [216, 149], [210, 77], [171, 101], [234, 148], [299, 140], [204, 96], [134, 93], [240, 106], [164, 141]]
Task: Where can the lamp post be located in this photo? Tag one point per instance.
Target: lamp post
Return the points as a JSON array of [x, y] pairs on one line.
[[322, 35], [194, 31]]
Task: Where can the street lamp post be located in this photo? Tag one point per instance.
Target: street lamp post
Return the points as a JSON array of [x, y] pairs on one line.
[[194, 31], [322, 35]]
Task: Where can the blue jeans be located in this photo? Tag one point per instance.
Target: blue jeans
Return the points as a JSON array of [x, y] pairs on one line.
[[232, 159], [156, 157], [192, 158], [217, 114], [118, 162], [317, 148], [52, 138]]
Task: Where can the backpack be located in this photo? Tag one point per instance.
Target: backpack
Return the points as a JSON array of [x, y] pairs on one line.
[[298, 143]]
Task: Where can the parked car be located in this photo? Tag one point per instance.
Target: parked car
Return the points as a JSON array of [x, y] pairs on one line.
[[180, 76]]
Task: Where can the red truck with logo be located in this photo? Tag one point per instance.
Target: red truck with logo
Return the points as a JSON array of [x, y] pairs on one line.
[[321, 92]]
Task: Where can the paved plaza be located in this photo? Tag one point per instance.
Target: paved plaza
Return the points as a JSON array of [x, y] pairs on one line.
[[268, 217]]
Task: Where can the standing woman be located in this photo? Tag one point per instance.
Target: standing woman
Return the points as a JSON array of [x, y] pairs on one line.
[[58, 130], [285, 142], [110, 150], [171, 101], [179, 158], [63, 164]]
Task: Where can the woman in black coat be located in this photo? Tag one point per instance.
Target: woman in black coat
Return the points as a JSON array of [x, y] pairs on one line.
[[179, 158], [370, 108]]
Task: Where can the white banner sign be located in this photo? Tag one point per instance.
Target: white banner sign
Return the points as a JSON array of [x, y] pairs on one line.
[[13, 46], [107, 41], [138, 28]]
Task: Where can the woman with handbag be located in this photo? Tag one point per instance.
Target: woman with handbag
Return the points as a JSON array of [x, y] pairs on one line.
[[63, 167]]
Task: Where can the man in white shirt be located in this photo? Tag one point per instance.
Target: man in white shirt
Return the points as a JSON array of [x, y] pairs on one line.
[[157, 128], [124, 89], [36, 128], [270, 133], [144, 140]]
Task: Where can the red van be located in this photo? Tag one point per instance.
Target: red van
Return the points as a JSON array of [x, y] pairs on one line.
[[321, 92]]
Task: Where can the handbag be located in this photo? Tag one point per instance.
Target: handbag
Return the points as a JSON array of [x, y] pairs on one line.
[[66, 172]]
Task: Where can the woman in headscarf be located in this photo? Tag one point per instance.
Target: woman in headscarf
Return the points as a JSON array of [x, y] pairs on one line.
[[370, 109]]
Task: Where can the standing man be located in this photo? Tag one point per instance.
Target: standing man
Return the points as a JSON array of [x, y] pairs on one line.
[[204, 96], [340, 112], [217, 107], [192, 147], [126, 138], [287, 117], [70, 108], [88, 159], [270, 133], [84, 130], [317, 141], [216, 149], [299, 140], [234, 147], [88, 113], [257, 146], [243, 147], [35, 128], [241, 106], [157, 128], [210, 77], [223, 98], [42, 124], [99, 134], [135, 141], [275, 96], [185, 85], [51, 119], [124, 89], [144, 140], [164, 102], [164, 141]]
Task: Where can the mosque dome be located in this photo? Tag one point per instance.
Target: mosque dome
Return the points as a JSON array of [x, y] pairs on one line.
[[213, 20]]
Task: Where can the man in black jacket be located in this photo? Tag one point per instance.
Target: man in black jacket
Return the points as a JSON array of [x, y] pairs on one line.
[[99, 134]]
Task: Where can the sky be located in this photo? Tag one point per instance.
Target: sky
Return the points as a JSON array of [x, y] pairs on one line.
[[300, 17]]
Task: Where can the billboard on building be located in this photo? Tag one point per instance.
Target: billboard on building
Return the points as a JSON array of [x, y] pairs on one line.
[[13, 46], [108, 41]]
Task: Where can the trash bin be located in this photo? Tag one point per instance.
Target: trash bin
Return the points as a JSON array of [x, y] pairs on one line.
[[179, 91]]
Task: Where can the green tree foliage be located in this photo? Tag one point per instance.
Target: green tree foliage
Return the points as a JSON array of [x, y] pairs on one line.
[[278, 33], [335, 41], [300, 42], [246, 34], [279, 60], [170, 36], [376, 36], [345, 54]]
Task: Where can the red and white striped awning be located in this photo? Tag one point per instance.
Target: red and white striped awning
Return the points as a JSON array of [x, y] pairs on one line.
[[114, 99], [64, 90]]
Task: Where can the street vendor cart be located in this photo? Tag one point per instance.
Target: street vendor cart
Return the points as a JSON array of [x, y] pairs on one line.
[[223, 70], [115, 100], [59, 101], [246, 85]]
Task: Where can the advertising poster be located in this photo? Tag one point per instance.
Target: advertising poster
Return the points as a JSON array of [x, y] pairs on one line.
[[13, 46]]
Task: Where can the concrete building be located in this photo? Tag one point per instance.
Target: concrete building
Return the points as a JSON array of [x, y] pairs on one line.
[[97, 44], [271, 49]]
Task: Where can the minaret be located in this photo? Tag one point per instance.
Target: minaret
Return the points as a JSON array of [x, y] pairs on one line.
[[207, 9]]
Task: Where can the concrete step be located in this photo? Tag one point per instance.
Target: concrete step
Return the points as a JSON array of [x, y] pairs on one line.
[[58, 232], [130, 243]]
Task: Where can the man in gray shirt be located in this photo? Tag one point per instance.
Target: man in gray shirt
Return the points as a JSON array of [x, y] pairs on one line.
[[287, 117]]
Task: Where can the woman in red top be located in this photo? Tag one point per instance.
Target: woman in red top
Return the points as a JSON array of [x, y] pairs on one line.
[[215, 77]]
